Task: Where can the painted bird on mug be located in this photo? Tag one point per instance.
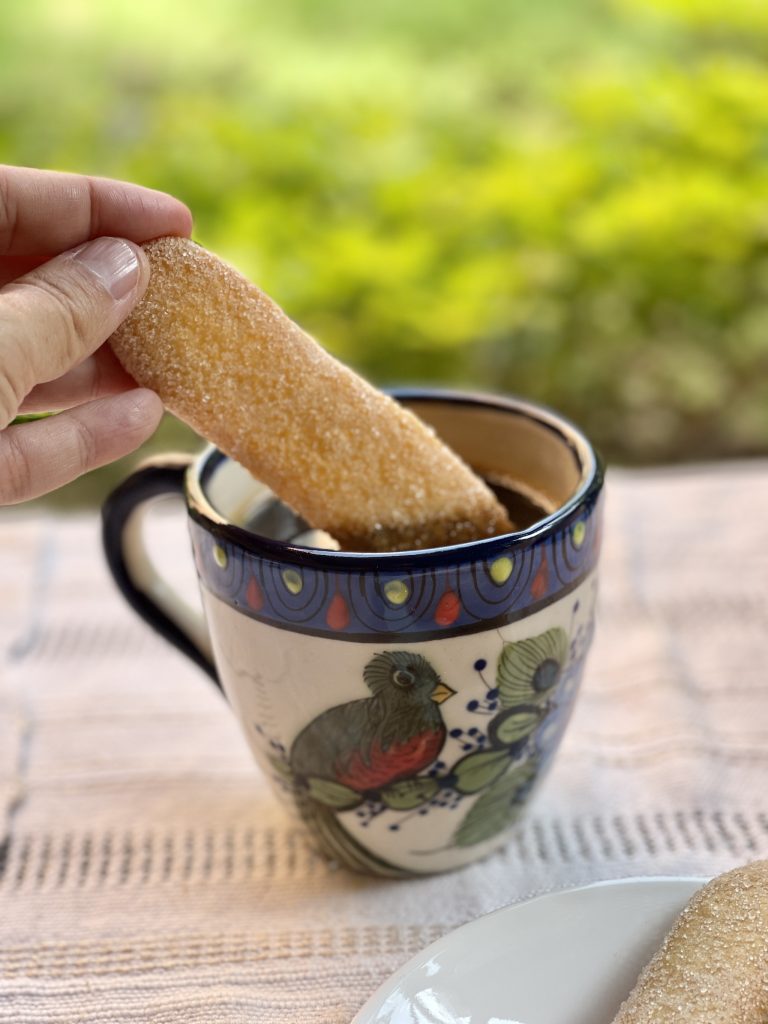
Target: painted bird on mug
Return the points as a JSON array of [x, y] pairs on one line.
[[394, 734]]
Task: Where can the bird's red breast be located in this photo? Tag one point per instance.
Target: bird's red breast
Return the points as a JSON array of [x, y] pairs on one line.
[[380, 767]]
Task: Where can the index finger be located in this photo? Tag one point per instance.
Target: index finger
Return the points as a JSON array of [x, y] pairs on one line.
[[47, 212]]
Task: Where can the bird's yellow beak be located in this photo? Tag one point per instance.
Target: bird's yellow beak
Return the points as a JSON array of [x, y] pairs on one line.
[[441, 692]]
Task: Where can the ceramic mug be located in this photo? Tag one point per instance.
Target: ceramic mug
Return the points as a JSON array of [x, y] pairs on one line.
[[407, 703]]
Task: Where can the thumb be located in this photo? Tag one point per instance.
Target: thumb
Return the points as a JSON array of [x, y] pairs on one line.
[[54, 317]]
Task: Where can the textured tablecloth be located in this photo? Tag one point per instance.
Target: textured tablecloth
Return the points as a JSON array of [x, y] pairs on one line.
[[147, 874]]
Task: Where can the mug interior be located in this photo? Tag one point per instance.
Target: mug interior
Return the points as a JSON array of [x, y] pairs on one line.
[[520, 448], [508, 442]]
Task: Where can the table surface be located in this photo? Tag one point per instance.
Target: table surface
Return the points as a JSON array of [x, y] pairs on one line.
[[147, 874]]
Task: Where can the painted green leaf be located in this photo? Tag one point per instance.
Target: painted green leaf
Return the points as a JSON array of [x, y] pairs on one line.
[[281, 767], [527, 670], [476, 771], [513, 724], [497, 808], [333, 794], [403, 796], [339, 845]]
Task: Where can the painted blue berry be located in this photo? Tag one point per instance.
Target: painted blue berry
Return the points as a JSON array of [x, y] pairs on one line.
[[473, 705], [456, 733], [473, 731], [480, 664], [493, 694], [394, 828]]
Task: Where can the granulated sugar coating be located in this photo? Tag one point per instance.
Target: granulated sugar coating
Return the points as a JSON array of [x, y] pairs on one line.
[[226, 360], [713, 966]]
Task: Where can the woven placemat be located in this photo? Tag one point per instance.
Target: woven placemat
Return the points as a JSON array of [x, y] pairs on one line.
[[147, 873]]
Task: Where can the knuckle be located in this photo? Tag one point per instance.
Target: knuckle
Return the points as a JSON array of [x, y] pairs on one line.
[[16, 371], [91, 194], [86, 444], [49, 323], [15, 471], [12, 393], [68, 312], [7, 211]]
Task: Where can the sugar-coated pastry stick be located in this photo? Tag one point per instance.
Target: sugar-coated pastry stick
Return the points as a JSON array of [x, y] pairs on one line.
[[226, 359], [713, 966]]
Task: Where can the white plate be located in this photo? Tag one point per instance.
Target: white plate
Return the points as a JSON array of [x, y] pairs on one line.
[[565, 958]]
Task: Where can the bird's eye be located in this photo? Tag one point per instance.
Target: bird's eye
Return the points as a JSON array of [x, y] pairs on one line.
[[404, 678]]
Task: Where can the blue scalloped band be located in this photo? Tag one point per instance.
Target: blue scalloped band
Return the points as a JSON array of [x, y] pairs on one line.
[[379, 600]]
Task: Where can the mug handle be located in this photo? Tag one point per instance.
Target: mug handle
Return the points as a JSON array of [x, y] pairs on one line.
[[122, 518]]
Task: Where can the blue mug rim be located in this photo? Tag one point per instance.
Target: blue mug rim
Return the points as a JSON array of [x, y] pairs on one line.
[[202, 510]]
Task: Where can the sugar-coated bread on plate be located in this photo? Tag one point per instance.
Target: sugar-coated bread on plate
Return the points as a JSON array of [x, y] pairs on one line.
[[226, 359], [713, 966]]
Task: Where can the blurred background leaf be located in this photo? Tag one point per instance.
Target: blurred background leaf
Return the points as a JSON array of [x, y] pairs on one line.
[[563, 201]]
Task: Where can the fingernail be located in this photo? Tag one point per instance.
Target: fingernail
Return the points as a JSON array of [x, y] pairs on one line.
[[113, 261]]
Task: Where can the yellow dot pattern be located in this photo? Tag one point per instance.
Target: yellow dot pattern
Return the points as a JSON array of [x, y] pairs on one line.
[[396, 591], [292, 580], [501, 569]]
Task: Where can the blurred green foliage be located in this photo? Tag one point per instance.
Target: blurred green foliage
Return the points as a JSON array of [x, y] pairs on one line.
[[564, 201]]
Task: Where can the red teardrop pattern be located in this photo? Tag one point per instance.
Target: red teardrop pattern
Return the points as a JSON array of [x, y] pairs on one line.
[[337, 616], [540, 580], [448, 609], [254, 595]]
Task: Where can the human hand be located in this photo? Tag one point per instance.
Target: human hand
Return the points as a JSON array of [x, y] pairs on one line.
[[70, 272]]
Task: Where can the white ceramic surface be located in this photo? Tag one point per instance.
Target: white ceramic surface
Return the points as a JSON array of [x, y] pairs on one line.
[[565, 958], [278, 682]]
